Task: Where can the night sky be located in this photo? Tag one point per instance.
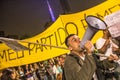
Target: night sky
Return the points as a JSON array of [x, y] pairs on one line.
[[20, 17]]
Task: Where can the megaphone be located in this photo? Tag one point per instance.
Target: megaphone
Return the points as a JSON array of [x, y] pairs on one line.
[[94, 24]]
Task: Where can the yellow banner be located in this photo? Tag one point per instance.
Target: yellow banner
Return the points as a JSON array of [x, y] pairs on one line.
[[55, 35]]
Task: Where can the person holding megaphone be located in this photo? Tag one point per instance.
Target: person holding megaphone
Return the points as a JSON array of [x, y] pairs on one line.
[[79, 65]]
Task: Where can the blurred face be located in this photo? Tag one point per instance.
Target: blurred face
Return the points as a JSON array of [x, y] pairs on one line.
[[19, 68], [107, 33], [61, 60], [13, 75], [0, 74], [74, 43], [26, 66]]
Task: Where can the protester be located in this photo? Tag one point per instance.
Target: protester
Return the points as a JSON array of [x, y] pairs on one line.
[[28, 73], [0, 74], [37, 71], [49, 74], [57, 70], [21, 73], [8, 74], [79, 65], [61, 60], [106, 46]]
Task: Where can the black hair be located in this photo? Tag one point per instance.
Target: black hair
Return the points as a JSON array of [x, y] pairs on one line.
[[66, 40], [6, 74]]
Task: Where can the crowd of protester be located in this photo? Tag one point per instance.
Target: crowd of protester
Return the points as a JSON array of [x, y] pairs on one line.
[[44, 70]]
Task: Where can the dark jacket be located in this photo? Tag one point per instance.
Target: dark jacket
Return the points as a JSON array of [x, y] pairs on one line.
[[77, 69]]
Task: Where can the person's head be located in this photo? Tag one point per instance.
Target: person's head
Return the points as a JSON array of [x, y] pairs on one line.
[[106, 33], [8, 74], [0, 73], [19, 68], [72, 41], [61, 59]]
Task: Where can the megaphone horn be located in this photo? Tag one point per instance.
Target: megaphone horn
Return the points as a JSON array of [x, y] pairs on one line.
[[94, 24]]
